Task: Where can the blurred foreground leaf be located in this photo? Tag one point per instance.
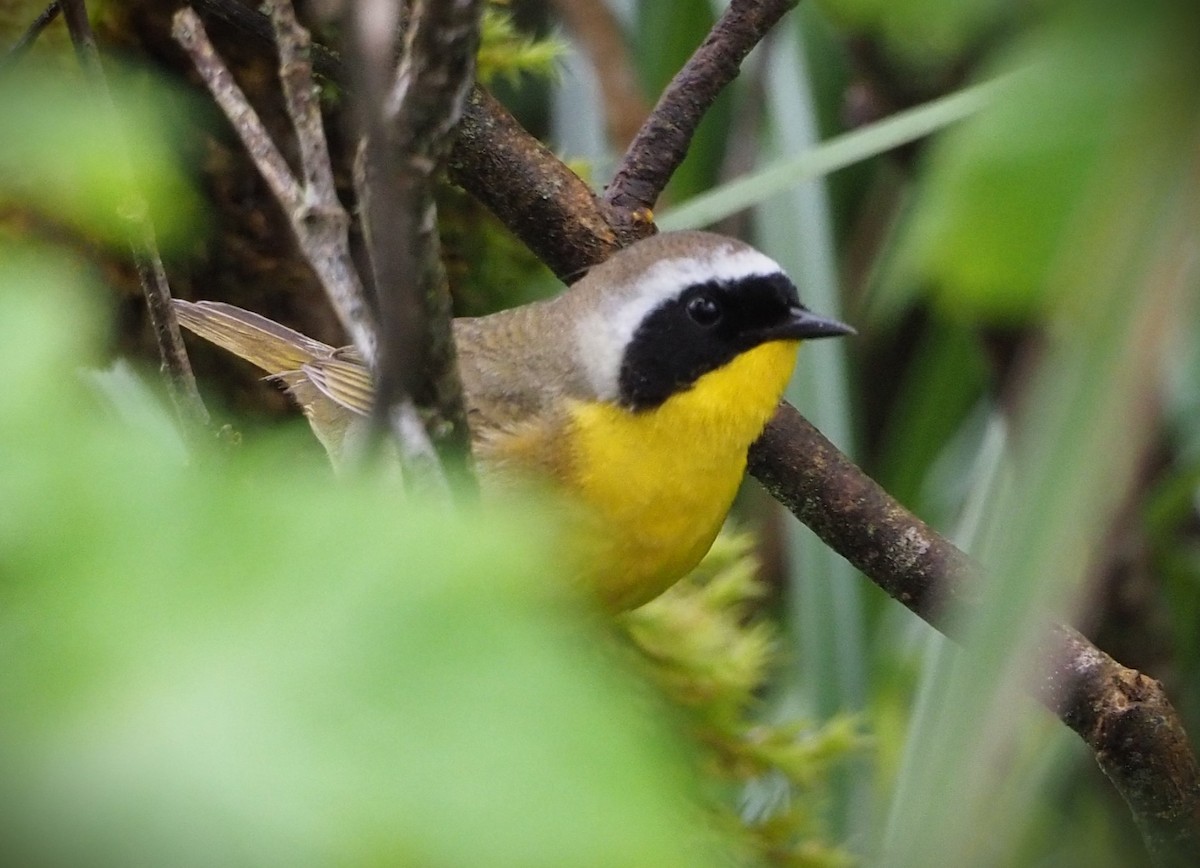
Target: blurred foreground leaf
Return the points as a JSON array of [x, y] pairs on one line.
[[1011, 188], [1076, 202], [241, 663], [62, 154]]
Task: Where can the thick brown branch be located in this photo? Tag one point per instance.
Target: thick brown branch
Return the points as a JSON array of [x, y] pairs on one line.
[[858, 519], [519, 179], [176, 368], [665, 137], [1137, 738]]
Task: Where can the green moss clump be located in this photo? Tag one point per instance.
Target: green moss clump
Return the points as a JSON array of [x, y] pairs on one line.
[[709, 651]]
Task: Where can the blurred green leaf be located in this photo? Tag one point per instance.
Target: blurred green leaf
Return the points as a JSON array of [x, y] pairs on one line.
[[1004, 191], [924, 32], [240, 662], [1075, 201], [62, 153]]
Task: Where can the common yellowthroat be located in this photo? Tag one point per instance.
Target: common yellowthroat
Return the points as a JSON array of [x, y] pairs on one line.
[[635, 394]]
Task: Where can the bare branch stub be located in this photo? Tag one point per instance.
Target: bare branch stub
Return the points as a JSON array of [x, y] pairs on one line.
[[1137, 738], [663, 141], [176, 368]]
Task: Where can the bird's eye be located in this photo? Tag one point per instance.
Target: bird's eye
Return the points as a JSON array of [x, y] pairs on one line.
[[704, 310]]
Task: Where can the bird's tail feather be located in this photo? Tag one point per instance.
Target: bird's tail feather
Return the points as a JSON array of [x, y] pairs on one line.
[[264, 343]]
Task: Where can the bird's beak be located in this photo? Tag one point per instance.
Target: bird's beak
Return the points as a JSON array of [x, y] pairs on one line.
[[803, 324]]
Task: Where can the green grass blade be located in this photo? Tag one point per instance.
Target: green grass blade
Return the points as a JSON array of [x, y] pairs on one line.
[[825, 605], [837, 153]]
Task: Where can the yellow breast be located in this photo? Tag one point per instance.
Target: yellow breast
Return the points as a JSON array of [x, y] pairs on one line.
[[658, 484]]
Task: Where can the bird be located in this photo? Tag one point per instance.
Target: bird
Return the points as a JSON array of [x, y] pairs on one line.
[[634, 394]]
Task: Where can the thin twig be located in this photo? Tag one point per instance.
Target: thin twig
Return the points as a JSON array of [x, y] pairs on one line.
[[664, 139], [320, 222], [320, 226], [190, 34], [18, 49], [177, 370], [494, 159], [249, 19], [406, 114]]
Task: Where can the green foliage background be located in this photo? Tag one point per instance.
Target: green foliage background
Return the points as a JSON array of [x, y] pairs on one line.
[[226, 657]]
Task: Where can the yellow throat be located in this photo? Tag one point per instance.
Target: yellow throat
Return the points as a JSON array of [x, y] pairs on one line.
[[658, 483]]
